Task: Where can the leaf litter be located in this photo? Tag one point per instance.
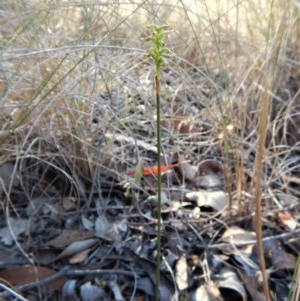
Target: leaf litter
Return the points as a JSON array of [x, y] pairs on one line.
[[83, 228], [207, 254]]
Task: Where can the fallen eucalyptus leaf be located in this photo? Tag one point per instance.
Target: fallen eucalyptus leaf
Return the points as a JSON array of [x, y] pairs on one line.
[[80, 257], [69, 236], [77, 247]]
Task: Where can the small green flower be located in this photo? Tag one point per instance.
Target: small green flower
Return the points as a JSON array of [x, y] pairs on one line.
[[158, 50]]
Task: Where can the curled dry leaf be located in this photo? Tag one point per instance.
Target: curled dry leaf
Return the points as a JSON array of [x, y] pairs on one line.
[[210, 167], [230, 282], [217, 200], [211, 175]]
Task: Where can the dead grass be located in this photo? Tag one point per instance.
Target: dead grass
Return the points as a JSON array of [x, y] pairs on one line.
[[74, 75]]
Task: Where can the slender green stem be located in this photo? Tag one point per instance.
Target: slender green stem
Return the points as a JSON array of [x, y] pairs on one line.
[[157, 82], [156, 53]]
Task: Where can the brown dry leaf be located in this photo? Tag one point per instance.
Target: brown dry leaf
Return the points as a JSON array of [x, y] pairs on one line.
[[216, 200], [27, 274], [287, 220], [68, 237], [80, 257], [77, 247]]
